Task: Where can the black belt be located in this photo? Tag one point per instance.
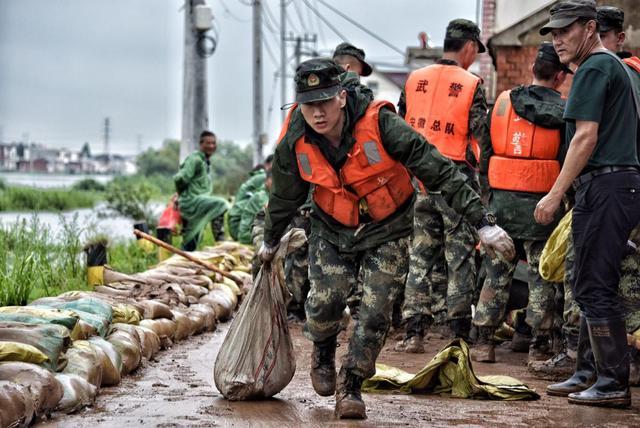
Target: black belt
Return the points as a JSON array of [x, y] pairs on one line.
[[585, 178]]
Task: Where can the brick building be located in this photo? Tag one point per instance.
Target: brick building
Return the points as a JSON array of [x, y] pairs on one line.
[[513, 46]]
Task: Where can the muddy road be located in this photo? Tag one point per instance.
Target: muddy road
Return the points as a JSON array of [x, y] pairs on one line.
[[177, 391]]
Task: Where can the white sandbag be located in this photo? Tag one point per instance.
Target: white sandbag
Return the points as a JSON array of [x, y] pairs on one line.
[[256, 359], [78, 393]]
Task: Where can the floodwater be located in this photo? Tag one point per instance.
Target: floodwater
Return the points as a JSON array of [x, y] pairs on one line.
[[177, 390], [49, 180]]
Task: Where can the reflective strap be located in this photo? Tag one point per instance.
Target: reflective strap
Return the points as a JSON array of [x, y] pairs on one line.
[[372, 153], [303, 160]]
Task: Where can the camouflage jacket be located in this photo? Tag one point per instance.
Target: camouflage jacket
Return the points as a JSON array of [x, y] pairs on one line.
[[514, 210], [289, 190]]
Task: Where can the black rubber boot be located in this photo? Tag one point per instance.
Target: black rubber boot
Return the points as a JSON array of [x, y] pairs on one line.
[[349, 404], [461, 328], [611, 352], [217, 228], [323, 367], [585, 372]]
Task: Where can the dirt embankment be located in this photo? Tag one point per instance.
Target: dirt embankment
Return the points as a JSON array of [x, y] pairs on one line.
[[177, 390]]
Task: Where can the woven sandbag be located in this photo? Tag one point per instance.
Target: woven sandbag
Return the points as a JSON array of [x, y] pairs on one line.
[[154, 309], [128, 346], [85, 360], [149, 340], [184, 326], [78, 393], [111, 361], [164, 328], [210, 321], [17, 407], [46, 391], [51, 339]]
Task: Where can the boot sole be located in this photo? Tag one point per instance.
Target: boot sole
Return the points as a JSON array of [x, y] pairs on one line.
[[615, 402], [561, 393], [351, 413]]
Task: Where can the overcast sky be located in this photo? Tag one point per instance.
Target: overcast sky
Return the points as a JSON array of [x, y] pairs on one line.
[[65, 65]]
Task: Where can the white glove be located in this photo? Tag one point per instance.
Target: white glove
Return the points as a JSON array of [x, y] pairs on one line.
[[266, 252], [495, 239]]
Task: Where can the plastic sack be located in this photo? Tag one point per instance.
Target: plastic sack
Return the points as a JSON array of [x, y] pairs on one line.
[[111, 361], [31, 315], [50, 339], [555, 251], [85, 360], [256, 359], [14, 351], [16, 404], [170, 217], [46, 391], [78, 393]]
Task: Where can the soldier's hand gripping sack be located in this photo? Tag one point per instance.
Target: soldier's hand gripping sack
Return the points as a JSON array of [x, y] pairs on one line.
[[256, 359]]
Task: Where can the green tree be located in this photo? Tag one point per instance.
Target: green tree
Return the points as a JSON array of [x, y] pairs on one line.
[[164, 161], [230, 167]]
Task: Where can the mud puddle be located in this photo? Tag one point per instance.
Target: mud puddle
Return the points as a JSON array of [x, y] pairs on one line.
[[177, 390]]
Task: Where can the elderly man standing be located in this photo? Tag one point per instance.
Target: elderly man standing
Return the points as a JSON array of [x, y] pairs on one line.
[[602, 165]]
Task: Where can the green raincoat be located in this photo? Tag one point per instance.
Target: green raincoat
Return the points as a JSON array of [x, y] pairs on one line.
[[197, 206], [248, 214]]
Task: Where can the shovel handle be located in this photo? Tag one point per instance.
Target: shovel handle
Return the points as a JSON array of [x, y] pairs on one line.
[[187, 256]]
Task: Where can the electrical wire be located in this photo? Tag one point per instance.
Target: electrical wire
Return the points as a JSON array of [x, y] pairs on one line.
[[290, 22], [270, 52], [228, 12], [360, 26], [327, 23], [273, 25], [299, 13], [273, 97], [323, 39]]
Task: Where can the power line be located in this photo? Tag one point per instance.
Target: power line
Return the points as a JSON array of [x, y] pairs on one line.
[[299, 13], [272, 25], [327, 23], [228, 12], [361, 27], [293, 27], [320, 30], [272, 57]]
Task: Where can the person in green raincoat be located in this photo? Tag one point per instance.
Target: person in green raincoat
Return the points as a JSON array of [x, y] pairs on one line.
[[193, 185], [255, 204]]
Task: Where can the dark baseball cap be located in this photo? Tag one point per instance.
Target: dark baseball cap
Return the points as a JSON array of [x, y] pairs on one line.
[[567, 12], [547, 53], [610, 18], [348, 49], [317, 79], [463, 29]]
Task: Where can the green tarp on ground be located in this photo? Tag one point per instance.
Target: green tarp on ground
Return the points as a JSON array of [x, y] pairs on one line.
[[449, 372]]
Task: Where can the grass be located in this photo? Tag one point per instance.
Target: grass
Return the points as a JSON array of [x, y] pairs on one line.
[[19, 198]]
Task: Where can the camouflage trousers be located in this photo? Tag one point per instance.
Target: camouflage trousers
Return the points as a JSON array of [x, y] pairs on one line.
[[442, 267], [333, 274], [495, 291], [628, 288], [296, 266]]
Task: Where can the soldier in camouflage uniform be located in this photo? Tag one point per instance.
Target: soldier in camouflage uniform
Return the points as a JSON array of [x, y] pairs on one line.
[[328, 140], [443, 242], [542, 105]]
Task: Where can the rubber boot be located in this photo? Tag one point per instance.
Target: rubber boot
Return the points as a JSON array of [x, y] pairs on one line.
[[413, 342], [585, 372], [608, 338], [484, 350], [217, 228], [349, 404], [540, 347], [323, 367], [460, 328]]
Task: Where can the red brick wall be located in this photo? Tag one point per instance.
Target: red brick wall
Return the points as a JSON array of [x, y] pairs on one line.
[[488, 27]]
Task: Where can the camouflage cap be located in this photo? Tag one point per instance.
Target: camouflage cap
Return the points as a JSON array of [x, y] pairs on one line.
[[463, 29], [610, 18], [348, 49], [317, 79], [567, 12], [547, 53]]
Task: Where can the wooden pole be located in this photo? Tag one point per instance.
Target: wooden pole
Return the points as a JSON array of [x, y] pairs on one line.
[[188, 256]]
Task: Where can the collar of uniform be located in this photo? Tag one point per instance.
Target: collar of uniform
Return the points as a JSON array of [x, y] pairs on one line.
[[543, 90], [443, 61]]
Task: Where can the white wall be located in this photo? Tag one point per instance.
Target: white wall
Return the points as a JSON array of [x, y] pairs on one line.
[[511, 11], [384, 89]]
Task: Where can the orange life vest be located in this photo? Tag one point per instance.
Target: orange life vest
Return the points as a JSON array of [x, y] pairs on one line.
[[633, 62], [439, 98], [370, 180], [525, 154]]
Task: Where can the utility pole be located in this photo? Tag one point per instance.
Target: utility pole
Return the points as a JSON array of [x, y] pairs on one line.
[[107, 131], [257, 82], [283, 57], [139, 141], [298, 41], [194, 88]]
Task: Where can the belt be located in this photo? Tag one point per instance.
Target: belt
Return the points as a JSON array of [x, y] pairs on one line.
[[585, 178]]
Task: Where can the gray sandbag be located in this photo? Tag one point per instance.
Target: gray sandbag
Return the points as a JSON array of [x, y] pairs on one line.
[[30, 315], [149, 341], [45, 390], [50, 339], [256, 359], [164, 328], [127, 343], [184, 326], [194, 290], [78, 393], [86, 304], [111, 362], [210, 321], [221, 303], [85, 360], [154, 310], [17, 407]]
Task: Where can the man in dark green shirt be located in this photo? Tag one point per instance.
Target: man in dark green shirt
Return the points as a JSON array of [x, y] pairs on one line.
[[325, 119], [602, 164]]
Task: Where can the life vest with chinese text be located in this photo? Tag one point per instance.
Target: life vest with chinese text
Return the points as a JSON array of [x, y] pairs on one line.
[[370, 181], [439, 98], [525, 154]]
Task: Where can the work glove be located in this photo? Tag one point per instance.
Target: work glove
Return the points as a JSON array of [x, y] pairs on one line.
[[266, 252], [495, 239]]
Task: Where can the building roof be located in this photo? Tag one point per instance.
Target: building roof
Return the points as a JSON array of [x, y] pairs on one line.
[[515, 34]]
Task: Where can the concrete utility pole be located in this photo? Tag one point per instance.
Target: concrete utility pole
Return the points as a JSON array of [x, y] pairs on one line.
[[297, 46], [194, 89], [257, 82], [107, 131], [283, 57]]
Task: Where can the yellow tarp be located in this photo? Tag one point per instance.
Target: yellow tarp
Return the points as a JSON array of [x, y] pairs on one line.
[[555, 250], [449, 372], [126, 314]]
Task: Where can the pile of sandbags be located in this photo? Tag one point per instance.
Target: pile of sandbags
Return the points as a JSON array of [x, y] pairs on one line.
[[57, 352]]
